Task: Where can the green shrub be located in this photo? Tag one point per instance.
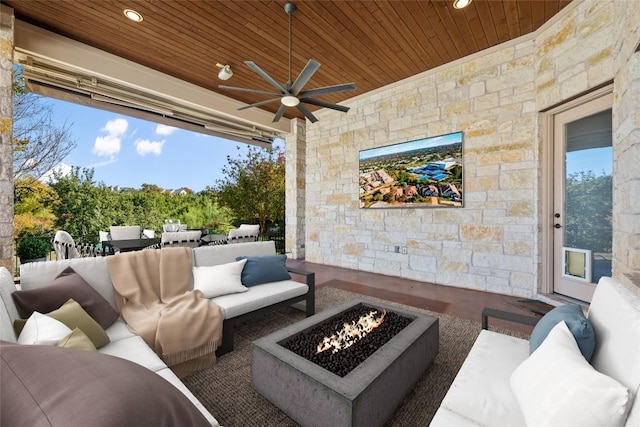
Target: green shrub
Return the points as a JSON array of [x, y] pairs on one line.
[[33, 248]]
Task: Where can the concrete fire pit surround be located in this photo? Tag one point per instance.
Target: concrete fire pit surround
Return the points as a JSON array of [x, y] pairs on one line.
[[367, 396]]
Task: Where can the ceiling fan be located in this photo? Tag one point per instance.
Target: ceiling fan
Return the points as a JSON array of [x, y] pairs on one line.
[[291, 93]]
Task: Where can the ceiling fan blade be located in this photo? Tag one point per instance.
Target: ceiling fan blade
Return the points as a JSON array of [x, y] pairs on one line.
[[307, 113], [324, 104], [266, 76], [327, 90], [305, 75], [279, 113], [243, 89], [257, 104]]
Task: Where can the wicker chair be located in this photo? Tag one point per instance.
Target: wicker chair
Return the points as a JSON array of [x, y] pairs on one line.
[[246, 233]]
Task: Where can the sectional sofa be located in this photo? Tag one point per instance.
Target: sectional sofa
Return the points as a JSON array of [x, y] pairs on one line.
[[503, 383], [235, 307]]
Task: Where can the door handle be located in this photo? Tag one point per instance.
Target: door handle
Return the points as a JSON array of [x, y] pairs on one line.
[[557, 226]]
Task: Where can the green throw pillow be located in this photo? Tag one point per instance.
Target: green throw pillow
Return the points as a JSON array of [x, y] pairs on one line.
[[78, 340], [264, 269], [74, 316]]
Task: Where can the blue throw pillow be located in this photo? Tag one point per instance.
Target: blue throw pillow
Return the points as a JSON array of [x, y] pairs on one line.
[[264, 269], [578, 324]]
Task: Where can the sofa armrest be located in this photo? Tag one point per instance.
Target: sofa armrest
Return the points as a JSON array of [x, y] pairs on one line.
[[310, 281], [506, 315]]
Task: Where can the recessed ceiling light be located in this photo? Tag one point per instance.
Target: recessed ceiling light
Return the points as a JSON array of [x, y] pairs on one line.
[[133, 15], [460, 4]]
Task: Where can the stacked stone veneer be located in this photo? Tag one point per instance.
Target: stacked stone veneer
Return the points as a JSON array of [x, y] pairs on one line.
[[6, 139], [295, 189], [494, 243]]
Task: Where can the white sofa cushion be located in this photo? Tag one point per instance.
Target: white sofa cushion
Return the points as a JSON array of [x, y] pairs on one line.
[[217, 280], [8, 311], [119, 330], [481, 391], [223, 254], [135, 350], [258, 297], [556, 386]]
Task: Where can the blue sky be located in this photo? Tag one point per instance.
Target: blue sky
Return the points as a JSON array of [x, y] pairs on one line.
[[130, 152], [435, 141]]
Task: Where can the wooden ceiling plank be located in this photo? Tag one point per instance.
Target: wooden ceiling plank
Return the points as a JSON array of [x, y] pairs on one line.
[[486, 22], [438, 28], [524, 16]]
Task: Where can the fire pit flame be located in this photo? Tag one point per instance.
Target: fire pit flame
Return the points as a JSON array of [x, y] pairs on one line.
[[351, 333]]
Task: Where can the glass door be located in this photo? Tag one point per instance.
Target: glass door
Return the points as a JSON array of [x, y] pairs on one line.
[[582, 199]]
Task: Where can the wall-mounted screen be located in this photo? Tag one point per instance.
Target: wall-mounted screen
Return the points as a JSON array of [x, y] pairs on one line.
[[425, 173]]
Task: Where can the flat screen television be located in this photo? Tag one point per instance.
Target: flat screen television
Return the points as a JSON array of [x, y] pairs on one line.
[[424, 173]]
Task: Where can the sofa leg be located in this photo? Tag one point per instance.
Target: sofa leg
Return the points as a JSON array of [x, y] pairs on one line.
[[227, 339], [310, 304]]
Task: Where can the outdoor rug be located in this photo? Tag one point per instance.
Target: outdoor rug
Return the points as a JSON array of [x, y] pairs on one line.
[[225, 389]]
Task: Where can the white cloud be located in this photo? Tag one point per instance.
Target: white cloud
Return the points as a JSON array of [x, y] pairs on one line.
[[62, 168], [107, 145], [165, 130], [111, 144], [116, 127], [144, 147]]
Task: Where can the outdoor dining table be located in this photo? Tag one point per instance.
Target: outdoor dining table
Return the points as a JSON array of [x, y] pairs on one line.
[[109, 247]]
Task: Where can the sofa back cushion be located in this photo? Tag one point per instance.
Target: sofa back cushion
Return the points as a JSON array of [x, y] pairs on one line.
[[8, 310], [93, 270], [223, 254], [615, 316]]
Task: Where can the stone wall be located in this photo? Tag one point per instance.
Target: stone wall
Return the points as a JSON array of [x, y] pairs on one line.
[[626, 149], [295, 189], [6, 139], [494, 242]]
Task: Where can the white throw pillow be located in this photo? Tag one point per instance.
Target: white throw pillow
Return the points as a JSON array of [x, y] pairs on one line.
[[219, 280], [42, 330], [556, 386]]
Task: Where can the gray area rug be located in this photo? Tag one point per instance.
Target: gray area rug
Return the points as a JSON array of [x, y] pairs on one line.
[[225, 389]]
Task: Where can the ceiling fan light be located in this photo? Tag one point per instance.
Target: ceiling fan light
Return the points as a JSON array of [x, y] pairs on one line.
[[225, 72], [460, 4], [290, 101]]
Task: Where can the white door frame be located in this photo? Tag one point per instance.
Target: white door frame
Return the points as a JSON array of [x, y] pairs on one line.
[[546, 188]]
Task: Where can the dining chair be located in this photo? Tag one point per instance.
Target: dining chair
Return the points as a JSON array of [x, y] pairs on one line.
[[125, 232], [181, 238]]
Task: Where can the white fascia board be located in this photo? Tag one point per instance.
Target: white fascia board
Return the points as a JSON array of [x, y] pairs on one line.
[[40, 43]]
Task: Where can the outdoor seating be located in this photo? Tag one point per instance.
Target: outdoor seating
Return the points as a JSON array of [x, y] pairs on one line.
[[67, 248], [245, 233], [125, 232], [148, 234], [104, 236], [189, 239]]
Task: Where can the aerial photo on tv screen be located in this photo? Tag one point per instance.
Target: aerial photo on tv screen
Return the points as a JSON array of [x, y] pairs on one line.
[[422, 173]]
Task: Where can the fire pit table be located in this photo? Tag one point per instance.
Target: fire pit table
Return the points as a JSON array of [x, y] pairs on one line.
[[366, 396]]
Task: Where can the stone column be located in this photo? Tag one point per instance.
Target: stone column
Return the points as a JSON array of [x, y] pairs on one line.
[[626, 177], [296, 145], [6, 137]]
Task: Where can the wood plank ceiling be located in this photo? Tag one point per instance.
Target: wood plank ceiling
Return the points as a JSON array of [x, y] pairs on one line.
[[371, 43]]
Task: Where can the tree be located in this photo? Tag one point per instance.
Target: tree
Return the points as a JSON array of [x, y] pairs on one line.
[[254, 186], [588, 211], [39, 145], [32, 209]]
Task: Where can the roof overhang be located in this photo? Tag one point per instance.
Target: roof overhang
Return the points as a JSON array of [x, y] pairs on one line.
[[58, 67]]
